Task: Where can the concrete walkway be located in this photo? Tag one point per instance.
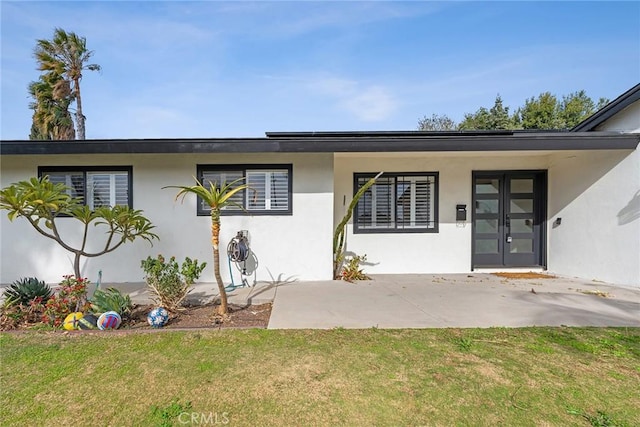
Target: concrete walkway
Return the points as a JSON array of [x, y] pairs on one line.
[[431, 301], [203, 293], [453, 300]]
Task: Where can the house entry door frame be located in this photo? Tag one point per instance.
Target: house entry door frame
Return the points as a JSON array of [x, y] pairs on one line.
[[509, 218]]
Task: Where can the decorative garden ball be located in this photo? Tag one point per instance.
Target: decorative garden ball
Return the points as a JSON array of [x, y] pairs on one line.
[[158, 317], [109, 320], [89, 321], [71, 321]]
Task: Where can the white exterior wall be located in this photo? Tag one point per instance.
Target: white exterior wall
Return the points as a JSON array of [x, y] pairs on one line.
[[597, 195], [290, 247], [449, 250], [627, 120]]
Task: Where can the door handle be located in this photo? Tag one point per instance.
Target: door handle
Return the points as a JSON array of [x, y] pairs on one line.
[[507, 224]]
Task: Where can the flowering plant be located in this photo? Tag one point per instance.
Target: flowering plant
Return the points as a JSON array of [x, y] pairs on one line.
[[71, 297]]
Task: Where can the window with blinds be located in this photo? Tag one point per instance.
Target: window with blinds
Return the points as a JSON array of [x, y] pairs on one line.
[[269, 191], [95, 186], [107, 189], [220, 179], [397, 203]]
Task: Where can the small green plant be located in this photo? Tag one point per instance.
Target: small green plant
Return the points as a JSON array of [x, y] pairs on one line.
[[351, 270], [464, 343], [169, 281], [166, 416], [71, 297], [111, 299], [600, 419], [23, 291]]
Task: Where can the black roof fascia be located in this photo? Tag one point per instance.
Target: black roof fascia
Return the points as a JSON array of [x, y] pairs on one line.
[[344, 144], [609, 110], [390, 133]]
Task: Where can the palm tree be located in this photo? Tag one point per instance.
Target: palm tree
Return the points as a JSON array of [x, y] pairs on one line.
[[66, 54], [217, 198], [51, 118]]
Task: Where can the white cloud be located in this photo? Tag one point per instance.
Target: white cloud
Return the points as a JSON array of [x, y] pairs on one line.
[[366, 102], [371, 104]]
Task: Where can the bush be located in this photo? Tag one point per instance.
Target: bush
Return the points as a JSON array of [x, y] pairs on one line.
[[351, 271], [23, 291], [111, 300], [169, 281], [71, 297]]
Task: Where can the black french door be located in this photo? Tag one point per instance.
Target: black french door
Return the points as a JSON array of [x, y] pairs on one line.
[[508, 218]]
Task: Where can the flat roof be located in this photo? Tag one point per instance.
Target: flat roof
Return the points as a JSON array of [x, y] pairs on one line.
[[336, 142]]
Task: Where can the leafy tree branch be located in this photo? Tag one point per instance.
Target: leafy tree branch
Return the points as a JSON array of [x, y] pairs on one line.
[[42, 203]]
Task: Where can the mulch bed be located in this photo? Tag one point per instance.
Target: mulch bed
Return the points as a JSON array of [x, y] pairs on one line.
[[191, 318], [204, 316]]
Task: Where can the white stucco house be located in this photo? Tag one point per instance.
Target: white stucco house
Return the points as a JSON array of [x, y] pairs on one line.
[[567, 202]]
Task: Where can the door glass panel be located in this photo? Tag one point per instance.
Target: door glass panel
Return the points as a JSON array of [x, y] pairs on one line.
[[519, 246], [486, 246], [486, 225], [487, 206], [521, 226], [522, 185], [487, 186], [521, 206], [507, 218]]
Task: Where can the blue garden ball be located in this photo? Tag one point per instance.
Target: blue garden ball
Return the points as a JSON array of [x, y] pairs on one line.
[[158, 317]]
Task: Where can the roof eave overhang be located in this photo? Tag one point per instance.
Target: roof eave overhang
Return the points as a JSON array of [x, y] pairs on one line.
[[609, 110], [348, 144]]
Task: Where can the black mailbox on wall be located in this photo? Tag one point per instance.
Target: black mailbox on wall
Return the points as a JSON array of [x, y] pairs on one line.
[[461, 212]]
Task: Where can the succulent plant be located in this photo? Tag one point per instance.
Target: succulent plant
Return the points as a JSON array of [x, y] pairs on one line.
[[25, 290], [111, 300]]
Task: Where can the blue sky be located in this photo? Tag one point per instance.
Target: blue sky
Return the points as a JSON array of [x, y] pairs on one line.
[[235, 69]]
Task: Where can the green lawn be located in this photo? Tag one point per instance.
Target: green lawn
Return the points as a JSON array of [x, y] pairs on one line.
[[470, 377]]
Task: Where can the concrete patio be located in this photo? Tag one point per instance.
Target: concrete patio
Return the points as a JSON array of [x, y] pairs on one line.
[[434, 301], [453, 300]]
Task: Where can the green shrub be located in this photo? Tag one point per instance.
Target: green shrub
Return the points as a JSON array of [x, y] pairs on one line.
[[111, 299], [23, 291], [169, 281]]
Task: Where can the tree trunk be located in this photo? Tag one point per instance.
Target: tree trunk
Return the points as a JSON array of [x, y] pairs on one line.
[[80, 305], [79, 115], [76, 266], [215, 240]]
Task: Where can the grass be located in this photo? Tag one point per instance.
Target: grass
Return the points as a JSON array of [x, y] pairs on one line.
[[530, 376]]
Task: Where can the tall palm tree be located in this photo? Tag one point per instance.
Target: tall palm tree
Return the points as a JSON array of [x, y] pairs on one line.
[[216, 197], [67, 54], [51, 98]]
